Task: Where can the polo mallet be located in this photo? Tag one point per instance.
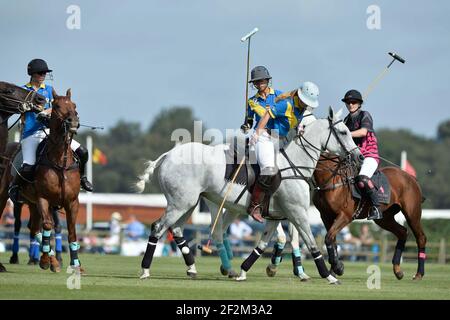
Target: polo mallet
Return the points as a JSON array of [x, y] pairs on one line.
[[243, 39], [383, 73], [207, 249]]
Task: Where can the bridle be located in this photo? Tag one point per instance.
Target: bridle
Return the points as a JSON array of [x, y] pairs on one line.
[[65, 124], [305, 144], [22, 105]]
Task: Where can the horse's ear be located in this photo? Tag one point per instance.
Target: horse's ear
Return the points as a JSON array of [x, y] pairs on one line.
[[330, 113], [339, 113], [69, 93]]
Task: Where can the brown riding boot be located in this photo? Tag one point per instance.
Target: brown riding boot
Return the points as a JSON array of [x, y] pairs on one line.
[[256, 202]]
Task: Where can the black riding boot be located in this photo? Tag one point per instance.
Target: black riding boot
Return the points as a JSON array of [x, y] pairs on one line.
[[367, 187], [83, 156], [256, 202], [375, 211], [267, 184], [24, 175]]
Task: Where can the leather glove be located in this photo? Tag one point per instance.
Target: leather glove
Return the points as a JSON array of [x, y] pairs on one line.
[[245, 127], [43, 117]]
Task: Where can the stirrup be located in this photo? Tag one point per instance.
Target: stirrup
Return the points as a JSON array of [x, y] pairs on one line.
[[375, 214], [255, 213]]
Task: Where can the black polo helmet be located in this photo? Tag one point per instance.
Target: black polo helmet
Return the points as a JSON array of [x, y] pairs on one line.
[[37, 66], [259, 73], [353, 95]]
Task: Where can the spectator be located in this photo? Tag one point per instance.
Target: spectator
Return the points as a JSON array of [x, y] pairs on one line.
[[112, 243], [135, 229], [240, 232], [368, 242], [351, 243]]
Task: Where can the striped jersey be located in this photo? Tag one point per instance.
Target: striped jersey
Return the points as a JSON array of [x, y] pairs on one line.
[[368, 144]]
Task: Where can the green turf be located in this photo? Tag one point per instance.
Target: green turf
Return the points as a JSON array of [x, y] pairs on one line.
[[115, 277]]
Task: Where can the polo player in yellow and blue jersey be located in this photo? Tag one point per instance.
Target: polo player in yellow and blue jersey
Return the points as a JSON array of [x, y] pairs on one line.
[[33, 131], [274, 117]]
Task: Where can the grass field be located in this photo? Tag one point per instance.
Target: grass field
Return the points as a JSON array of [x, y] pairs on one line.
[[116, 277]]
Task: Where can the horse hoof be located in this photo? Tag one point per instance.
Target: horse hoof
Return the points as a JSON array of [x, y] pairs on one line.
[[271, 271], [338, 268], [191, 274], [399, 275], [145, 274], [232, 274], [304, 277], [332, 280], [14, 259], [2, 268], [60, 260], [54, 265], [44, 262], [417, 277], [223, 271], [242, 276], [336, 283]]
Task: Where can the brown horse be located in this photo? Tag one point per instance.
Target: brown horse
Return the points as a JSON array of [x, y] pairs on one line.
[[338, 208], [57, 182], [13, 100]]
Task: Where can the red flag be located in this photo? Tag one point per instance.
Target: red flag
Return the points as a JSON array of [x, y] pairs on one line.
[[99, 157], [410, 169]]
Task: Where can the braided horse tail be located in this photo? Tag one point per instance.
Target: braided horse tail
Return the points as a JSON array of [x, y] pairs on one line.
[[148, 173]]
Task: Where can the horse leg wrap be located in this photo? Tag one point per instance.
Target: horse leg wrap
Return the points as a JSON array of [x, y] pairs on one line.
[[320, 264], [46, 241], [247, 264], [400, 246], [148, 256], [297, 262], [421, 259], [277, 253], [332, 254], [221, 250], [73, 247], [15, 247], [187, 254], [227, 245]]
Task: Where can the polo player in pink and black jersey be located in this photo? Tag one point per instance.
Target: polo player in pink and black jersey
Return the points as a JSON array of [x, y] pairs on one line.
[[360, 124]]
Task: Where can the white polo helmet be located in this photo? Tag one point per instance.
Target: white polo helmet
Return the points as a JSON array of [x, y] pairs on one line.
[[309, 94]]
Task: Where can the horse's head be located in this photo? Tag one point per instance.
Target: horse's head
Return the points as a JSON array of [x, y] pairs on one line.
[[339, 140], [14, 99], [64, 114], [332, 135]]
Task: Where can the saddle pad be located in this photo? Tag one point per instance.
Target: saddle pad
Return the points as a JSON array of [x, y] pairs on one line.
[[247, 172], [381, 183]]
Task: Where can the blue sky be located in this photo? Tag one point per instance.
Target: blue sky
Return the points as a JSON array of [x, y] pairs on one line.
[[130, 59]]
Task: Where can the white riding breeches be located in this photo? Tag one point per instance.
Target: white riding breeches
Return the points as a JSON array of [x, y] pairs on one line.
[[265, 151], [368, 167], [30, 144]]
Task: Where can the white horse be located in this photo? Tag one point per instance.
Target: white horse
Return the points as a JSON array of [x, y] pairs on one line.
[[183, 180]]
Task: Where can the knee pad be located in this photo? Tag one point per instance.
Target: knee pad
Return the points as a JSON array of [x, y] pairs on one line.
[[364, 183], [82, 154], [270, 183]]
